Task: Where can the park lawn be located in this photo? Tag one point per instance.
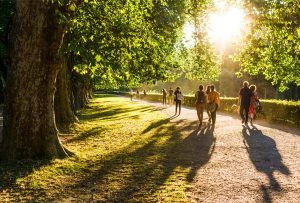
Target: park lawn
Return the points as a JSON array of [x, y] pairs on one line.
[[124, 152]]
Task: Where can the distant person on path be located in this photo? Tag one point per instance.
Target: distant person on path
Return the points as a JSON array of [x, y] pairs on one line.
[[144, 93], [170, 96], [137, 94], [213, 103], [200, 102], [253, 102], [245, 100], [164, 92], [207, 91], [131, 94], [178, 97]]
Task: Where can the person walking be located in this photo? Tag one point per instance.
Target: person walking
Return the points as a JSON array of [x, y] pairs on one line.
[[213, 98], [178, 97], [200, 102], [245, 100], [170, 96], [131, 94], [164, 92], [253, 101], [137, 94], [207, 91]]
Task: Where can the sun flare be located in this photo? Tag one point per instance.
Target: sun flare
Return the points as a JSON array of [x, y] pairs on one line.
[[226, 25]]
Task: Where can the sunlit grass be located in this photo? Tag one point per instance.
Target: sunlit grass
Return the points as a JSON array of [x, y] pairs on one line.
[[124, 151]]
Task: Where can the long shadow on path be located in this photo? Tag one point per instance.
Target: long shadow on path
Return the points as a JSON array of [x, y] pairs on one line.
[[265, 157], [138, 173]]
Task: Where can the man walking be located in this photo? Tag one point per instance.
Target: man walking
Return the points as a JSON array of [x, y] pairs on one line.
[[245, 100]]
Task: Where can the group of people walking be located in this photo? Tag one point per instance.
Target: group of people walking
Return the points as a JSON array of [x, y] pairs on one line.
[[249, 102], [171, 96], [209, 100]]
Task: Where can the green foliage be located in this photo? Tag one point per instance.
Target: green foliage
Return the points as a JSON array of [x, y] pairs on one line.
[[124, 42], [272, 46], [198, 62]]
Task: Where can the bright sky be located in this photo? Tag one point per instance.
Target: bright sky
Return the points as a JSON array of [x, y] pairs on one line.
[[225, 25], [188, 31]]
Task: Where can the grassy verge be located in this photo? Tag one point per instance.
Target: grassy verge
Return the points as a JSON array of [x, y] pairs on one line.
[[125, 152]]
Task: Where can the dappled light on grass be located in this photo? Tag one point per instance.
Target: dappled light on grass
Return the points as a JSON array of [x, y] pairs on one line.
[[124, 151]]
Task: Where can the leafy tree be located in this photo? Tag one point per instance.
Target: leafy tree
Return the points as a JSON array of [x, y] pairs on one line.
[[118, 42], [272, 46]]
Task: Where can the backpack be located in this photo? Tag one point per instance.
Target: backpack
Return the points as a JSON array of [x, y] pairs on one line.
[[200, 97], [179, 96]]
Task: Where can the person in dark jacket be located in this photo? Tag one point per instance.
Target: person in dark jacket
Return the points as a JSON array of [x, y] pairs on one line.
[[200, 103], [245, 100], [178, 97]]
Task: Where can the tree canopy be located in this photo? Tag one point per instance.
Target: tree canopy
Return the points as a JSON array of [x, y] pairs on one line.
[[272, 46]]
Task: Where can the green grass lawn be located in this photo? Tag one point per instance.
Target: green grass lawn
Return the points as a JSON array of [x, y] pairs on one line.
[[124, 152]]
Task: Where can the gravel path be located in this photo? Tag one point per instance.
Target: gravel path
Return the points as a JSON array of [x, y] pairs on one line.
[[258, 163]]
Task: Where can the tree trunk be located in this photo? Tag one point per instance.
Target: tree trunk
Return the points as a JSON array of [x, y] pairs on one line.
[[64, 114], [29, 121], [80, 90]]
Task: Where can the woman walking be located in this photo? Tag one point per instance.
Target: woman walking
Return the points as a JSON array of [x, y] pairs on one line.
[[253, 100], [207, 91], [200, 102], [177, 98], [164, 92], [170, 96]]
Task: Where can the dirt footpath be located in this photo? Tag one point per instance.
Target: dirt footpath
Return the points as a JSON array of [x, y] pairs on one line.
[[255, 163]]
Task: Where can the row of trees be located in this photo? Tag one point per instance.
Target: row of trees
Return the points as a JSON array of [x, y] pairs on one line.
[[53, 53], [56, 50]]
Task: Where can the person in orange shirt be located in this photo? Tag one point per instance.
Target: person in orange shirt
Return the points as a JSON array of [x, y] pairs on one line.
[[213, 98]]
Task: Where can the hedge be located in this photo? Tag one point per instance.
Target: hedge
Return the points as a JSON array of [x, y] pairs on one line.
[[273, 110]]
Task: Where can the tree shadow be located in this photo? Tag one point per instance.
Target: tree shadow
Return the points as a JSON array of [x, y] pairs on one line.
[[202, 148], [265, 157], [137, 172], [155, 125], [10, 172], [84, 135], [96, 113]]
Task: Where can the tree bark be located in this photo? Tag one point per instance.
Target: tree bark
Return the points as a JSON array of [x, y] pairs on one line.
[[80, 90], [29, 121], [64, 114]]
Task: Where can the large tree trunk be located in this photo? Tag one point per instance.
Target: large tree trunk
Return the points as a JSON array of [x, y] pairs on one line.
[[29, 122], [64, 114]]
